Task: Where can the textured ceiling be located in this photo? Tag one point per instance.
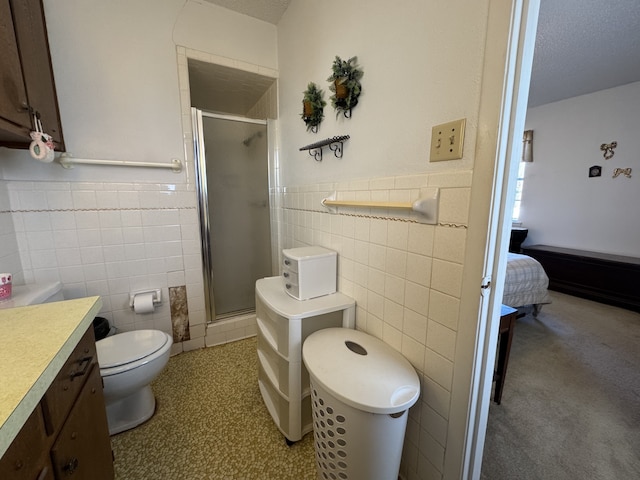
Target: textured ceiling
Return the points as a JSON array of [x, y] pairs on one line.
[[582, 46]]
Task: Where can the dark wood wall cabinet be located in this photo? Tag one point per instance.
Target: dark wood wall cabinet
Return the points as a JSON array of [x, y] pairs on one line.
[[67, 434], [604, 278], [27, 84]]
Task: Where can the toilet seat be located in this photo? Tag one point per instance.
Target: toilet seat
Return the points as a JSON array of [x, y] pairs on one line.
[[129, 350]]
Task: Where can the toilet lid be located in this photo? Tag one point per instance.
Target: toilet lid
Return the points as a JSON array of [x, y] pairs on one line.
[[128, 347]]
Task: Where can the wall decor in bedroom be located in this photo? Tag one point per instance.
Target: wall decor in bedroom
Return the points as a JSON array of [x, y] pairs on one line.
[[622, 171], [313, 107], [345, 85], [595, 171], [607, 148]]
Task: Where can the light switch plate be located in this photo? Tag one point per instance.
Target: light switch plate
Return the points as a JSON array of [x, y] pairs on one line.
[[447, 141]]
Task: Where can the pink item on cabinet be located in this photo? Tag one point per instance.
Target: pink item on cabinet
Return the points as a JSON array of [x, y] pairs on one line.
[[5, 286]]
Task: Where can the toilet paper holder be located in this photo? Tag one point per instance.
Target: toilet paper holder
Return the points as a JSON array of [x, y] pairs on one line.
[[156, 295]]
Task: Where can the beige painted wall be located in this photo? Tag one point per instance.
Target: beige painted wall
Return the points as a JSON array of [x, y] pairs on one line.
[[561, 205], [422, 65]]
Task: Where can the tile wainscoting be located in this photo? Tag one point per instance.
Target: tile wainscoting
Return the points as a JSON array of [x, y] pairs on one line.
[[109, 239], [405, 277]]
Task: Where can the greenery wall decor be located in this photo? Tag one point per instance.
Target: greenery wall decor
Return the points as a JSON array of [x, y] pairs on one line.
[[313, 107], [345, 85]]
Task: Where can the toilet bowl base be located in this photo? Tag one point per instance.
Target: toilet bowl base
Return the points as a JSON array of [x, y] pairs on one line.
[[131, 411]]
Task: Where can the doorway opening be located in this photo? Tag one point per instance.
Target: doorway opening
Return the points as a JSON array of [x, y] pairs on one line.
[[233, 114]]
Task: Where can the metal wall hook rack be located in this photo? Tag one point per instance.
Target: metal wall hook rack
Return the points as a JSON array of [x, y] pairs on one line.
[[335, 145]]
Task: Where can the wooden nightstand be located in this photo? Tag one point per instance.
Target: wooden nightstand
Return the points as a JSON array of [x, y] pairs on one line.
[[505, 335]]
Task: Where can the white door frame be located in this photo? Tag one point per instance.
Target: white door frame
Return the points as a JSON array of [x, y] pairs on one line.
[[508, 58]]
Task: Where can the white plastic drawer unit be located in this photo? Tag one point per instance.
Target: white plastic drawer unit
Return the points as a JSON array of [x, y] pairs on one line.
[[309, 272], [289, 416], [283, 325], [279, 371]]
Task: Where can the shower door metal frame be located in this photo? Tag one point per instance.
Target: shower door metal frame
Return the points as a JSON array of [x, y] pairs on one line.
[[200, 158]]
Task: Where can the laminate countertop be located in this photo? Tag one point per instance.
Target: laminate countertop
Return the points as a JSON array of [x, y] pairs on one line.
[[35, 342]]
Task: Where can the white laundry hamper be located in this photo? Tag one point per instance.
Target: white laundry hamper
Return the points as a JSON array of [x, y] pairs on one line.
[[361, 389]]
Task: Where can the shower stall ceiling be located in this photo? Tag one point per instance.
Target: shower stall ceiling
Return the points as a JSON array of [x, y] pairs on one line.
[[219, 89]]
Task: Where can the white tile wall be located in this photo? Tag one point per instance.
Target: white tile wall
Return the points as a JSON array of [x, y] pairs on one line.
[[405, 277], [107, 239], [231, 330], [9, 252]]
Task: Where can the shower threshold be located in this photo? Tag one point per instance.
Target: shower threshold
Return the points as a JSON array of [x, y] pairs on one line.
[[237, 313], [235, 326]]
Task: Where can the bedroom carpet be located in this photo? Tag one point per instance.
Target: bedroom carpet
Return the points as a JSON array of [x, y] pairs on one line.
[[571, 402]]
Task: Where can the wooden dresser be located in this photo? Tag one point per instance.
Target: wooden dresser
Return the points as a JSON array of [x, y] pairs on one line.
[[602, 277]]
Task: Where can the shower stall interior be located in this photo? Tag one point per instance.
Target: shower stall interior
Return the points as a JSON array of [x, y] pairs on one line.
[[232, 171]]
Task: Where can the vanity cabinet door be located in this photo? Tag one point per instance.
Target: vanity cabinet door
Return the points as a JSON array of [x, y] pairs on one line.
[[27, 458], [83, 448], [28, 84], [64, 390], [33, 44]]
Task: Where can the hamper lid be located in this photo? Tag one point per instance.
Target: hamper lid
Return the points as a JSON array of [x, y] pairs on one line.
[[361, 370]]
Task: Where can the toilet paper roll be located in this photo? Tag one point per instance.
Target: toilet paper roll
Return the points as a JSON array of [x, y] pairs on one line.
[[143, 303]]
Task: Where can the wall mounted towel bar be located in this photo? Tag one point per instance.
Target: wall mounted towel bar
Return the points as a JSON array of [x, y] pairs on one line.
[[354, 203], [67, 161], [426, 205]]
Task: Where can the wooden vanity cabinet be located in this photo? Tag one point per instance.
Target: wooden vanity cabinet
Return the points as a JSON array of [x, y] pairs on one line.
[[67, 434], [82, 448], [28, 456], [65, 388], [27, 76]]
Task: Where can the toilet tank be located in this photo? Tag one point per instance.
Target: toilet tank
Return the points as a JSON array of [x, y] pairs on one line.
[[33, 294]]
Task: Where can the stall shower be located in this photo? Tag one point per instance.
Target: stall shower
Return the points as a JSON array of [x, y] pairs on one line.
[[232, 172]]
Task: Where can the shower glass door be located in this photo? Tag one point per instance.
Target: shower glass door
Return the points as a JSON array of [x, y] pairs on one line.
[[234, 202]]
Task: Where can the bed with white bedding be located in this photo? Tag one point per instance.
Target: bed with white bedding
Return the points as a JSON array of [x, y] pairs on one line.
[[525, 283]]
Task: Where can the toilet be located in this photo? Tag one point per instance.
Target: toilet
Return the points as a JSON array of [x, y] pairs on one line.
[[129, 362]]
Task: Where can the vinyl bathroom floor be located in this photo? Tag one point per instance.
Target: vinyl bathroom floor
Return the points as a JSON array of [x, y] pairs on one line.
[[211, 423]]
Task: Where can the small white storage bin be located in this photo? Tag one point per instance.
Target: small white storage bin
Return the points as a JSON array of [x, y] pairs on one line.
[[361, 389], [309, 272]]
